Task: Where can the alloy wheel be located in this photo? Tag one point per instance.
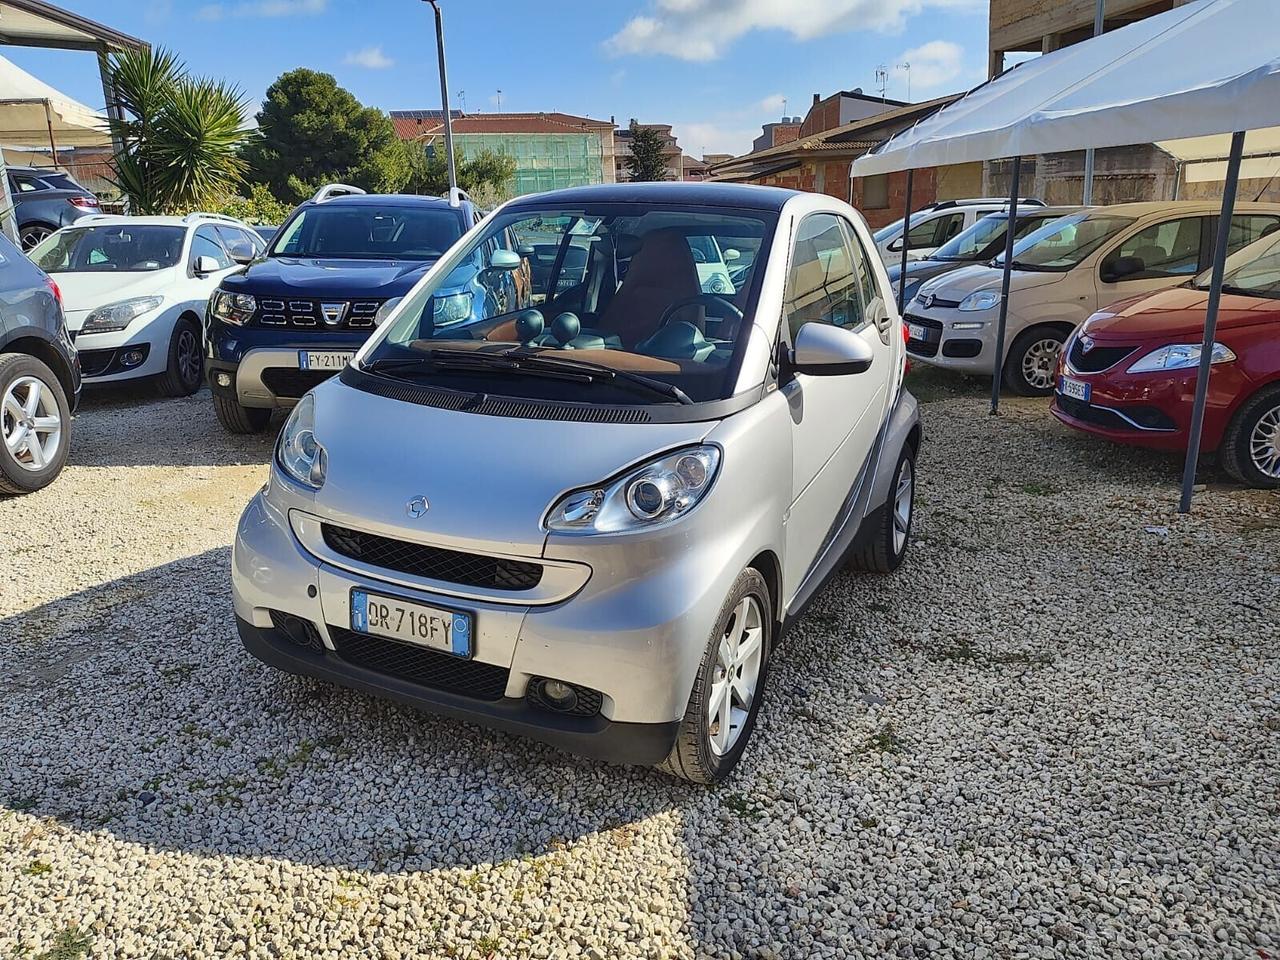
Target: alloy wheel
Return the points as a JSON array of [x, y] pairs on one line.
[[902, 502], [33, 235], [30, 423], [188, 357], [1264, 443], [1040, 361], [736, 676]]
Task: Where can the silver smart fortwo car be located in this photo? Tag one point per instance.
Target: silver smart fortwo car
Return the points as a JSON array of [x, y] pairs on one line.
[[587, 513]]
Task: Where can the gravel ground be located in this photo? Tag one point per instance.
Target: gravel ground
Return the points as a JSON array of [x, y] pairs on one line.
[[1055, 732]]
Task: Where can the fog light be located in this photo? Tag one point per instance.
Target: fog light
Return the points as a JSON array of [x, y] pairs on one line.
[[561, 695], [223, 378], [131, 358]]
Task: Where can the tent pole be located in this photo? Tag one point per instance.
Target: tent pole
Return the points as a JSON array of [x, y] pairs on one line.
[[1009, 231], [906, 236], [1211, 319], [53, 144]]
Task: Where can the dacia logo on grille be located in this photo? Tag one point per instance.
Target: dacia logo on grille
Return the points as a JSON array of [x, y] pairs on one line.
[[1086, 344], [332, 313], [416, 507]]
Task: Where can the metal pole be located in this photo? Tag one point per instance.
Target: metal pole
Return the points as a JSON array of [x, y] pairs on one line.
[[906, 237], [8, 216], [444, 97], [1010, 230], [1098, 16], [1211, 319], [53, 144], [114, 111]]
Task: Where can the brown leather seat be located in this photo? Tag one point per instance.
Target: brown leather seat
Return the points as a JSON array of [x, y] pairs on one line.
[[661, 273]]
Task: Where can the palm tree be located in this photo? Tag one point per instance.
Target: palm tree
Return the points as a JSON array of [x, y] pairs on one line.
[[179, 135]]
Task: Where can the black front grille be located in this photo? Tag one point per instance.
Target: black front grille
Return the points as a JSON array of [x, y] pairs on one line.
[[306, 312], [103, 363], [297, 630], [1097, 359], [587, 704], [291, 384], [429, 668], [962, 349], [927, 347], [1138, 417], [434, 563]]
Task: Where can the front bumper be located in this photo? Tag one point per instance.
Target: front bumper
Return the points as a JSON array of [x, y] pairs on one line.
[[942, 345], [261, 365]]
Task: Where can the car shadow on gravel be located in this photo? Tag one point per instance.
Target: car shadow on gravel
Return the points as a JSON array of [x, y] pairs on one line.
[[131, 426], [130, 709]]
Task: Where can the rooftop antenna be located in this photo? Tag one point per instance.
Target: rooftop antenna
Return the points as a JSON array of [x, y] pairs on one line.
[[907, 68], [499, 99], [784, 108], [882, 80], [462, 99]]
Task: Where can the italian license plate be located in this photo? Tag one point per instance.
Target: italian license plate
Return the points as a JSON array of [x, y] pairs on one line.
[[917, 332], [324, 359], [448, 631], [1075, 389]]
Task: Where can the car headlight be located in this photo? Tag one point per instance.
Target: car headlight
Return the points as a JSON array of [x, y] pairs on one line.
[[385, 311], [654, 493], [234, 308], [981, 300], [298, 452], [1179, 356], [117, 316], [451, 308]]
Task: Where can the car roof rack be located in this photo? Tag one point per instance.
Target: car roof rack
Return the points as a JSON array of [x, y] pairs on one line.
[[331, 190], [456, 196], [211, 216]]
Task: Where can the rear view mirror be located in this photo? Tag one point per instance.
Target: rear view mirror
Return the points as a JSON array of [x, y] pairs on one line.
[[731, 255], [205, 266], [825, 350], [1123, 267], [503, 259]]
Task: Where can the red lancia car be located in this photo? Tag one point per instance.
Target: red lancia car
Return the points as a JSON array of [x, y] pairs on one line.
[[1128, 373]]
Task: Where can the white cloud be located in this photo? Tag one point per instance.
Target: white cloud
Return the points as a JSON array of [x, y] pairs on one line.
[[701, 30], [774, 103], [371, 58], [939, 66], [262, 8]]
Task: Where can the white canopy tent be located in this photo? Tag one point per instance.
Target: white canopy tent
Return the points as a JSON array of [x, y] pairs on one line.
[[34, 114], [1194, 80]]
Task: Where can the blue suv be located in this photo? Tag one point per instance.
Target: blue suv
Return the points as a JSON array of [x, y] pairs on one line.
[[334, 270]]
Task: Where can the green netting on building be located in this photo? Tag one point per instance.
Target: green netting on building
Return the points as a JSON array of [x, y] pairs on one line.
[[543, 161]]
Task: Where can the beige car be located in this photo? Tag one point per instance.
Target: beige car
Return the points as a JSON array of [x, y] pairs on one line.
[[1062, 273]]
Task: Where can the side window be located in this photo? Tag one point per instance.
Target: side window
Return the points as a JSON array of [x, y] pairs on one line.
[[823, 284], [922, 234], [1169, 249], [1247, 228], [948, 227], [205, 244], [866, 282]]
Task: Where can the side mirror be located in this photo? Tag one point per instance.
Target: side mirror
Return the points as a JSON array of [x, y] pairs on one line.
[[242, 257], [525, 250], [896, 246], [503, 259], [1122, 267], [205, 266], [731, 255], [823, 350]]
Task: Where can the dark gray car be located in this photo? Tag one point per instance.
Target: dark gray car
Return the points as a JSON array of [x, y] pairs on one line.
[[39, 375], [45, 200]]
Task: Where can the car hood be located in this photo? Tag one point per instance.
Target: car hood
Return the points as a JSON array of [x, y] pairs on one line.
[[488, 480], [958, 284], [921, 270], [1177, 312], [83, 292], [320, 277]]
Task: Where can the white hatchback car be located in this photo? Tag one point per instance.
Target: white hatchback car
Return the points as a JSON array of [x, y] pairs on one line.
[[135, 290], [934, 225]]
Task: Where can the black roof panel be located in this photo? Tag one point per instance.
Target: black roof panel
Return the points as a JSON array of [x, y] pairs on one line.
[[694, 194]]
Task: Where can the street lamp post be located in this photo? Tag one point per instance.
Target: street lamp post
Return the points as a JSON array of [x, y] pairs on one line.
[[444, 97]]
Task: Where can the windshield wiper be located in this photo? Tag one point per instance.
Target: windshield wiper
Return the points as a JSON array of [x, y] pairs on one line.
[[517, 361]]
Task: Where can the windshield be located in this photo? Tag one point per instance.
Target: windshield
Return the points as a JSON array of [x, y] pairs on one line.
[[978, 241], [666, 292], [886, 233], [1062, 243], [1253, 271], [120, 248], [371, 232]]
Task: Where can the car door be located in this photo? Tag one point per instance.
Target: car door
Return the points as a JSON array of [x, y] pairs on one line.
[[1170, 251], [835, 418], [199, 287]]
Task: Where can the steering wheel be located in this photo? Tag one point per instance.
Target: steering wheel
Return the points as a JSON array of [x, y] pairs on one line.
[[706, 300]]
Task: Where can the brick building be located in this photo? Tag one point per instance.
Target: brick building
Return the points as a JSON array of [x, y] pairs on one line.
[[671, 151], [777, 133]]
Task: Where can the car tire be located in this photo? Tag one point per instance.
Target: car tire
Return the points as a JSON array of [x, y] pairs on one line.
[[29, 234], [1029, 370], [184, 372], [889, 532], [713, 735], [23, 470], [237, 419], [1253, 431]]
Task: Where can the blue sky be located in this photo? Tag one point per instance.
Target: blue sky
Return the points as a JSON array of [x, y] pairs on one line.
[[716, 69]]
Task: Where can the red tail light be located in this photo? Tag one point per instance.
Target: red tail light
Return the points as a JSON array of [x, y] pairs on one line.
[[57, 294], [906, 335], [85, 203]]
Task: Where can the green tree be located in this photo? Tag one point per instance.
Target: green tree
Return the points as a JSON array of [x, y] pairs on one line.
[[488, 177], [646, 161], [312, 132], [179, 135], [258, 207]]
